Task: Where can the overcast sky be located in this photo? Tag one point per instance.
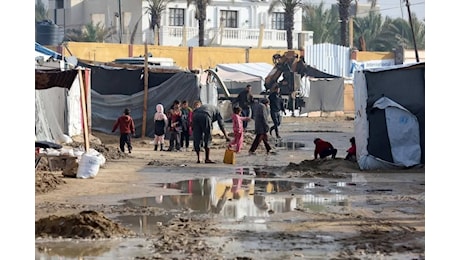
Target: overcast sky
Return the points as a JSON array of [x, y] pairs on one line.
[[392, 8]]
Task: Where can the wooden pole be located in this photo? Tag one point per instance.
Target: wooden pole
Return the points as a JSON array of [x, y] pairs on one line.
[[350, 31], [146, 89], [84, 111]]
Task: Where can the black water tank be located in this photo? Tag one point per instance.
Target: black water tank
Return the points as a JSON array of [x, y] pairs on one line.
[[48, 33]]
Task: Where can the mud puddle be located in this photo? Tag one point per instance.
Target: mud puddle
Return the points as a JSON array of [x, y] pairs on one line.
[[243, 203]]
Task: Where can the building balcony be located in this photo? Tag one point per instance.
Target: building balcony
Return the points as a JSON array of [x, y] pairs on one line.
[[233, 37]]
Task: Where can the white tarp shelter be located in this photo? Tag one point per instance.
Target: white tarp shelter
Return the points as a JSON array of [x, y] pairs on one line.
[[237, 75]]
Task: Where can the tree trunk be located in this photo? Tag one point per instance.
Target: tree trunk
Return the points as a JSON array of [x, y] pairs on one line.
[[289, 24], [201, 32]]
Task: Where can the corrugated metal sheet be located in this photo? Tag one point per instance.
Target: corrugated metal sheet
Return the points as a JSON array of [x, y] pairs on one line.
[[330, 58]]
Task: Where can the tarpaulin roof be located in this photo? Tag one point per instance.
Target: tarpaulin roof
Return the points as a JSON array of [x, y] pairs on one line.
[[243, 72], [45, 79], [40, 50]]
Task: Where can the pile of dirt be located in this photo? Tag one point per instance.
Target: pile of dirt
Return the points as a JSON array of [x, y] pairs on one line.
[[46, 181], [325, 168], [86, 224]]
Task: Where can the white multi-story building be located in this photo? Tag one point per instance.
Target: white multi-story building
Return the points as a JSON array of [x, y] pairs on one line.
[[230, 23]]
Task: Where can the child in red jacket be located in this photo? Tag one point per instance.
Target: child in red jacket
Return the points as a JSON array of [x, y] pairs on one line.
[[351, 152], [324, 149], [126, 125]]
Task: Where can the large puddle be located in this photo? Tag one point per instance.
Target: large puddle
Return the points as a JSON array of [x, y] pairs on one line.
[[234, 199], [241, 203]]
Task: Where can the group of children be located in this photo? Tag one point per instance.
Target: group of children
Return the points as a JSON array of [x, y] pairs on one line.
[[178, 121]]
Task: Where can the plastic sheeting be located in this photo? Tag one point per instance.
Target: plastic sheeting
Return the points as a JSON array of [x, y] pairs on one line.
[[58, 112], [107, 108]]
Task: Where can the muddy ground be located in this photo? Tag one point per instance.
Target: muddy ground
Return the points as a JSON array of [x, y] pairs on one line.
[[381, 217]]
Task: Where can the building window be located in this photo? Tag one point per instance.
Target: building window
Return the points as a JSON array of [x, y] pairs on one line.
[[176, 16], [229, 18], [278, 21]]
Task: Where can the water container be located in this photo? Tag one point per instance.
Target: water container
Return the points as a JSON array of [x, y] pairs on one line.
[[48, 33]]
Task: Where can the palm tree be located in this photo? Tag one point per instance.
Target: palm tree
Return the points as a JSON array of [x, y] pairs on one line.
[[154, 9], [371, 33], [290, 7], [344, 13], [200, 15], [322, 22], [402, 33], [90, 33], [40, 12]]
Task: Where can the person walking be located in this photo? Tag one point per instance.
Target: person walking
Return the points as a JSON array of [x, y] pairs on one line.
[[237, 143], [324, 149], [125, 123], [245, 100], [276, 107], [186, 119], [175, 126], [261, 126], [160, 121], [203, 118]]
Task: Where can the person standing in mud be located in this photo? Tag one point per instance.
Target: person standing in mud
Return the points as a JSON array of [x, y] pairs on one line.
[[160, 121], [261, 126], [175, 126], [237, 121], [125, 123], [276, 107], [186, 114], [203, 118], [245, 100]]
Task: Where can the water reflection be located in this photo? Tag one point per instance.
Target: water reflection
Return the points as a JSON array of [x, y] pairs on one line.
[[237, 198]]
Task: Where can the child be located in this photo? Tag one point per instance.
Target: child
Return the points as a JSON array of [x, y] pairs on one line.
[[324, 149], [175, 126], [160, 121], [126, 125], [186, 112], [351, 152], [237, 120]]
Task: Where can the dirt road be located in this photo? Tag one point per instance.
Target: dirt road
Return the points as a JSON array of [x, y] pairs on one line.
[[282, 206]]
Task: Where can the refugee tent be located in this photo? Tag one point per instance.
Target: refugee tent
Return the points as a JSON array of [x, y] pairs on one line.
[[237, 75], [390, 116], [115, 88], [58, 111]]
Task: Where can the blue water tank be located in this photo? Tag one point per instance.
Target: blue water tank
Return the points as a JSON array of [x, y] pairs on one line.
[[48, 33]]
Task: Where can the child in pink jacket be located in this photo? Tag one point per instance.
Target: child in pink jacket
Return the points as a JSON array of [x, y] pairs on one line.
[[237, 119]]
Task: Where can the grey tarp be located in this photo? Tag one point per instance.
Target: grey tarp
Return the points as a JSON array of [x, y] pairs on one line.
[[107, 108], [326, 95]]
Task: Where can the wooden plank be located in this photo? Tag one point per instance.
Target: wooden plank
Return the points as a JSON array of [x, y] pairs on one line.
[[84, 111]]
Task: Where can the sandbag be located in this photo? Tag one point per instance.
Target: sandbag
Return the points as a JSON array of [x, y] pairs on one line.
[[89, 164]]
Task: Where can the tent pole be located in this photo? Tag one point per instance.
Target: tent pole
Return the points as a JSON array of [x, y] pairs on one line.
[[146, 89], [84, 112]]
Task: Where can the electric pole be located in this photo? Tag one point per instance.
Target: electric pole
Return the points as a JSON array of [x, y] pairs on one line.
[[412, 30]]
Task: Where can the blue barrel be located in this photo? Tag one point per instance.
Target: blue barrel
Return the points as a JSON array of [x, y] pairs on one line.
[[48, 33]]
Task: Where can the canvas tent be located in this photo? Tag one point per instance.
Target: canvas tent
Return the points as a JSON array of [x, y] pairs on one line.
[[390, 116]]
